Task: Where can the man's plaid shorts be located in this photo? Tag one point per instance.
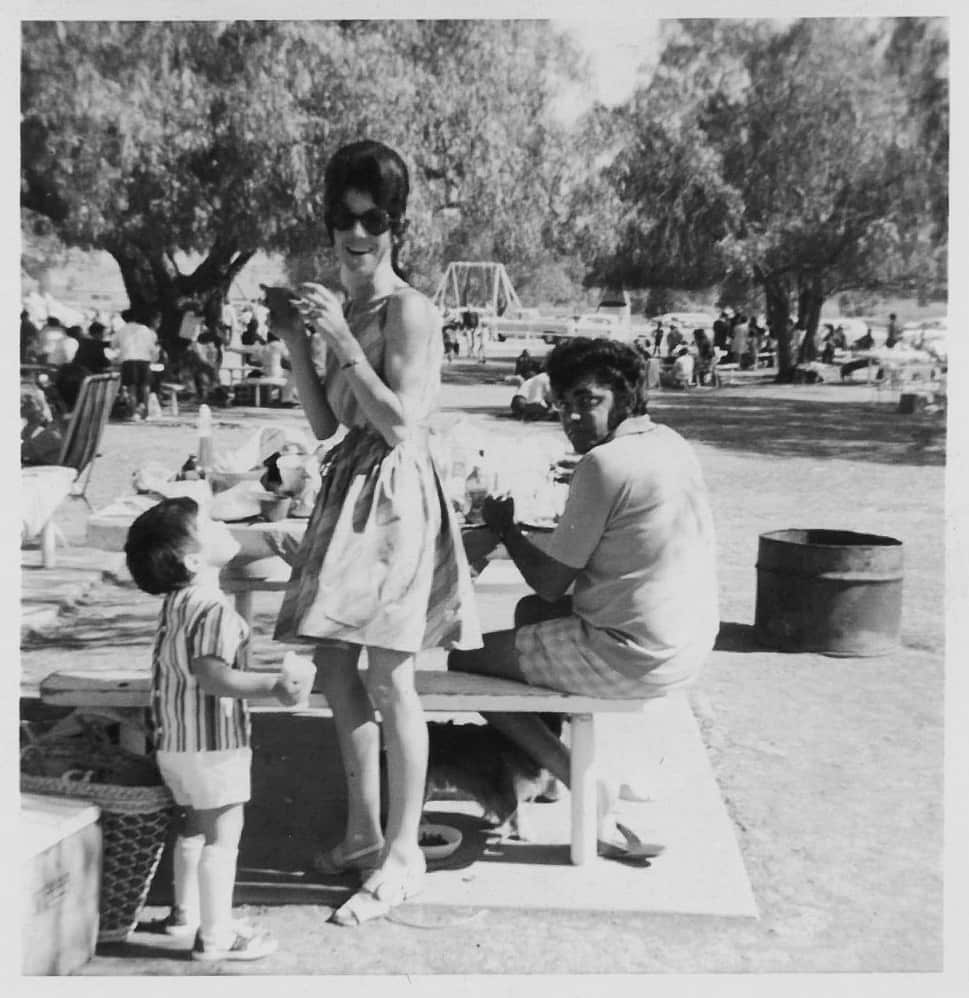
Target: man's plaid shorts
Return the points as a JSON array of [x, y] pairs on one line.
[[556, 654]]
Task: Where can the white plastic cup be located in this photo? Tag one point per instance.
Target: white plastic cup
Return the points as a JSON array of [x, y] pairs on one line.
[[302, 670]]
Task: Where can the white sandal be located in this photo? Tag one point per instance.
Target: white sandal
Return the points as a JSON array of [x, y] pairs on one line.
[[382, 891]]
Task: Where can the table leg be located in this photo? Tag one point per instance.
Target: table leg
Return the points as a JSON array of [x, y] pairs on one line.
[[48, 544], [584, 790], [244, 609]]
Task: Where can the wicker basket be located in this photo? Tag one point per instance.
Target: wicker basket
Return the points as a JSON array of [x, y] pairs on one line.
[[136, 811]]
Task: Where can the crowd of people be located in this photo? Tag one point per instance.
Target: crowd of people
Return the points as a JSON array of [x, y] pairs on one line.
[[212, 359], [465, 332]]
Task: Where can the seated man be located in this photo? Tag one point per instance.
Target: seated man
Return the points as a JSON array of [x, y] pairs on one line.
[[526, 366], [635, 540], [683, 365], [533, 399]]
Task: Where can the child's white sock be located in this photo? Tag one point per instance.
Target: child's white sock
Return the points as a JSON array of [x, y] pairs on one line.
[[185, 875], [217, 877]]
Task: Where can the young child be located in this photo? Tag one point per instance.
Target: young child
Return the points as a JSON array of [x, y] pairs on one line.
[[200, 717]]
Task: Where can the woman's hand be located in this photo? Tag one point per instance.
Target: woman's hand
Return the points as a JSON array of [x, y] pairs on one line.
[[323, 310], [498, 513]]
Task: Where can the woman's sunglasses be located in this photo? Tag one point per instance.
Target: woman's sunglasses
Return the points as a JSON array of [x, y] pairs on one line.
[[375, 220]]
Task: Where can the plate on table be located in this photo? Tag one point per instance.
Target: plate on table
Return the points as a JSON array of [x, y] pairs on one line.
[[439, 841], [539, 524]]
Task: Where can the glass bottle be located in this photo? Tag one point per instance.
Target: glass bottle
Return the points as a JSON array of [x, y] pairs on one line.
[[205, 446], [476, 489]]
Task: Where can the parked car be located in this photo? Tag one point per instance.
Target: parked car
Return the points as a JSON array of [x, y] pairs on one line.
[[610, 326], [687, 320]]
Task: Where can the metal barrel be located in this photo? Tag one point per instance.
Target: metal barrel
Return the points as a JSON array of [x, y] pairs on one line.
[[831, 591]]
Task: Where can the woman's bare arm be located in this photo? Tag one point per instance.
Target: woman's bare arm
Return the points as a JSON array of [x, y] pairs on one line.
[[312, 394]]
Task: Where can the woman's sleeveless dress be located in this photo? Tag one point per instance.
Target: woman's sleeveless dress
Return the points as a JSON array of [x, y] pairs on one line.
[[382, 563]]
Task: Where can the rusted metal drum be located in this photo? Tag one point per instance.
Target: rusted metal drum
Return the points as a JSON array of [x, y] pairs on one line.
[[830, 591]]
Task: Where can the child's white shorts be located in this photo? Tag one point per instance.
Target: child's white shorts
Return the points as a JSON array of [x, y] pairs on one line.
[[204, 780]]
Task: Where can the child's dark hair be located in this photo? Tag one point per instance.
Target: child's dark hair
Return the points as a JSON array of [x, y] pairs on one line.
[[615, 365], [157, 543]]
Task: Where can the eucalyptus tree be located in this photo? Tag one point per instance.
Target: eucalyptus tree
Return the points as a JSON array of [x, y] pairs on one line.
[[789, 154], [145, 139]]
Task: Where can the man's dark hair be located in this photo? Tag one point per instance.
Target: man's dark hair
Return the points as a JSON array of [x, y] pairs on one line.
[[157, 543], [615, 365]]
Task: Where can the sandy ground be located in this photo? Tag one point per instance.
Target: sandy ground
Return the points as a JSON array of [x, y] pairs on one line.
[[832, 769]]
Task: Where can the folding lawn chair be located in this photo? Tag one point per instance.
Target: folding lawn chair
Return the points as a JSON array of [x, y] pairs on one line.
[[86, 426], [44, 487]]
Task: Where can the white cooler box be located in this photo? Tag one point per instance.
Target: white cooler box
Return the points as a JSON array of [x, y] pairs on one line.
[[60, 850]]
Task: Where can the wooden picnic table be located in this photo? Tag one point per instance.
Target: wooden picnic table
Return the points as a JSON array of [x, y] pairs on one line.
[[258, 567]]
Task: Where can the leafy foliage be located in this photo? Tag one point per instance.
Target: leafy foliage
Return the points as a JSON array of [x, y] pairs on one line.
[[145, 138], [790, 154]]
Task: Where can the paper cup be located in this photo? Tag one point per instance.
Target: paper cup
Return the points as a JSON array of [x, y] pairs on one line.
[[296, 667]]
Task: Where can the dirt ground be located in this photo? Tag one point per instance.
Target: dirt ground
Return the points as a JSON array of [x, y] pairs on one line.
[[831, 769]]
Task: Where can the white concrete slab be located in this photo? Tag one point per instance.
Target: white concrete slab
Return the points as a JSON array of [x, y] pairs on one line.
[[701, 872]]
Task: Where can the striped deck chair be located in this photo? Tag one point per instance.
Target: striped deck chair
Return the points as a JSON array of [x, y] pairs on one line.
[[82, 436]]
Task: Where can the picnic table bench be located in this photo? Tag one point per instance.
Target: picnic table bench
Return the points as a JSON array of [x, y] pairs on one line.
[[126, 694]]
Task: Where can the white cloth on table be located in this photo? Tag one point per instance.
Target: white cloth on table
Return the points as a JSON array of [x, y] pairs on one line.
[[42, 490]]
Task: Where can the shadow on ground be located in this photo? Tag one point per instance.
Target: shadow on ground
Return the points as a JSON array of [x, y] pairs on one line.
[[779, 427], [757, 417]]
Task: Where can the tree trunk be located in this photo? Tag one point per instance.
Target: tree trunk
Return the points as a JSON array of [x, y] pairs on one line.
[[777, 301], [810, 298], [154, 284]]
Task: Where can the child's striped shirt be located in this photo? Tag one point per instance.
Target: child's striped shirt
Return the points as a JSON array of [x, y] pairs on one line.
[[196, 621]]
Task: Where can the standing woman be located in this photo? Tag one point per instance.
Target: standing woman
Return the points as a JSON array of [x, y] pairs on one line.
[[382, 565]]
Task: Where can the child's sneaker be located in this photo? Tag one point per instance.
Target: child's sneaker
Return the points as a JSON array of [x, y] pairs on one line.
[[180, 924], [246, 944]]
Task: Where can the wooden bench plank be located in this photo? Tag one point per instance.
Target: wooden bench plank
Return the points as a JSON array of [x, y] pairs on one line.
[[454, 692], [438, 690]]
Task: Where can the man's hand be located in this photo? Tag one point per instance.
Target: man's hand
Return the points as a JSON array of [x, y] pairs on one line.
[[498, 513], [479, 542]]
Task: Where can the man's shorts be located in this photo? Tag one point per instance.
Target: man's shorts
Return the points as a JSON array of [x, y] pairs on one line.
[[556, 654], [205, 780]]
